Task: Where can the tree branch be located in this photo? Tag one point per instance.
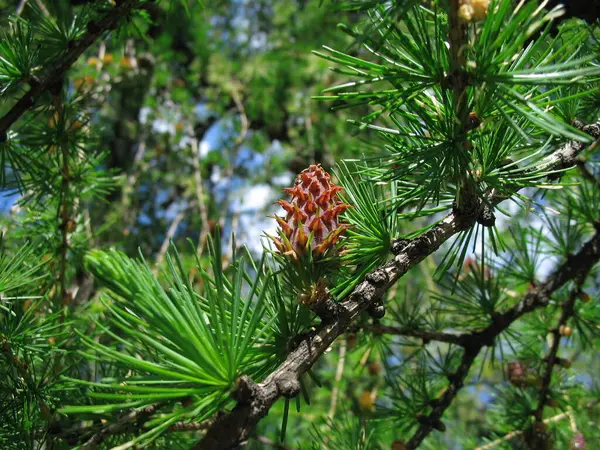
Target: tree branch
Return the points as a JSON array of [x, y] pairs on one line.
[[123, 424], [425, 335], [552, 358], [254, 400], [514, 434], [95, 29], [576, 266]]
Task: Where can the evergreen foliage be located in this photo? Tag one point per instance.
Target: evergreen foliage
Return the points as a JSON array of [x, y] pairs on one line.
[[430, 281]]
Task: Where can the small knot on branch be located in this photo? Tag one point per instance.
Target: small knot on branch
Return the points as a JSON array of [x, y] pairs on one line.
[[377, 278], [486, 217], [592, 129], [327, 309], [376, 309], [288, 385], [432, 422]]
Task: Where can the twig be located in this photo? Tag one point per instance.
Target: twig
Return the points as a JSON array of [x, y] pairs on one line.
[[95, 29], [339, 372], [130, 183], [458, 81], [125, 423], [20, 7], [425, 335], [133, 418], [552, 419], [168, 237], [64, 205], [205, 227], [191, 426], [234, 428], [514, 434], [235, 95], [574, 268], [568, 310], [572, 422]]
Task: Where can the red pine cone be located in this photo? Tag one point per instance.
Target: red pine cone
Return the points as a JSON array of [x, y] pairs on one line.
[[516, 373], [578, 442], [313, 208]]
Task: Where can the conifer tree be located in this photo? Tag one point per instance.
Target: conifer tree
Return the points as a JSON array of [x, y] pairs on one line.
[[431, 280]]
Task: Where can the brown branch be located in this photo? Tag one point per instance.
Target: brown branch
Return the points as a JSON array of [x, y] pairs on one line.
[[235, 95], [95, 29], [136, 168], [425, 335], [339, 372], [458, 81], [168, 237], [130, 422], [254, 400], [20, 7], [64, 204], [132, 419], [576, 266], [538, 439], [514, 434], [205, 227], [191, 426]]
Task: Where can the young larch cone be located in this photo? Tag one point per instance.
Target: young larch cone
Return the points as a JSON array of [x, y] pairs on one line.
[[578, 442], [314, 208]]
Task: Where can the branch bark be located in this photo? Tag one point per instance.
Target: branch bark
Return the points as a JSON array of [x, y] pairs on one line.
[[95, 29], [425, 335]]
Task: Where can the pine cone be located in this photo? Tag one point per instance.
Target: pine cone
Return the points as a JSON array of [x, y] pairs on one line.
[[313, 208], [578, 442]]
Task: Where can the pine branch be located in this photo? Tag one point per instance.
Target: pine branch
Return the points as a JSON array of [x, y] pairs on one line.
[[254, 400], [514, 434], [575, 267], [169, 237], [205, 227], [191, 426], [95, 29], [568, 310], [339, 372], [130, 422], [123, 424], [458, 81], [425, 335], [64, 206]]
